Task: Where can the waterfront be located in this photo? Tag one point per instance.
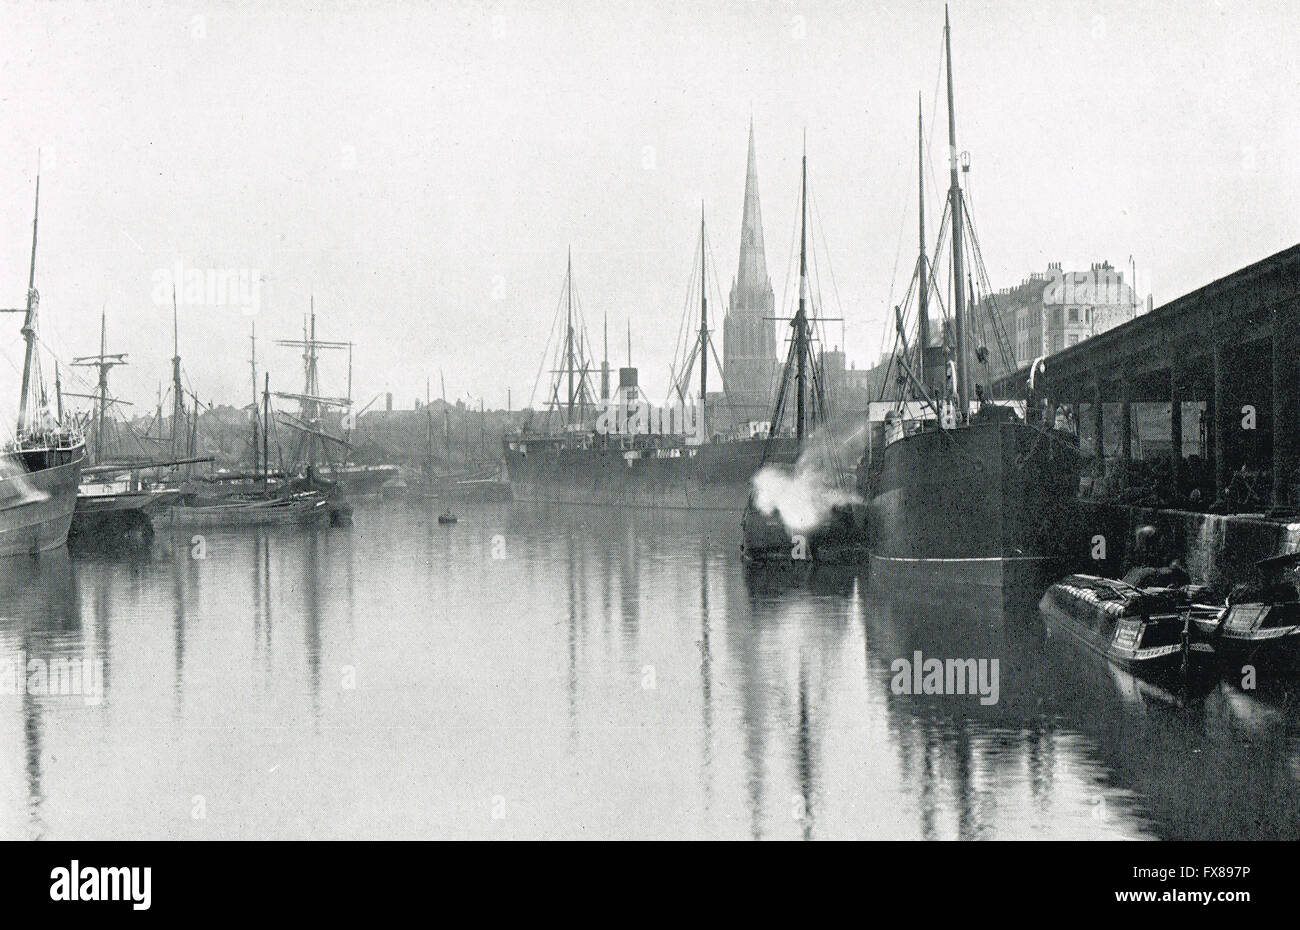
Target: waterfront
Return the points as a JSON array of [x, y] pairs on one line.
[[579, 673]]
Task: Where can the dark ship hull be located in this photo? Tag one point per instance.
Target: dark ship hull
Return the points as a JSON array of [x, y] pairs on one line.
[[359, 480], [36, 506], [840, 540], [122, 516], [985, 510], [710, 476]]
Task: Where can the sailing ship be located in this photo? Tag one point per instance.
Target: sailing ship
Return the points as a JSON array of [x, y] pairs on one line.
[[320, 456], [40, 467], [616, 449], [806, 511], [964, 498], [477, 483], [257, 497], [264, 501], [113, 502]]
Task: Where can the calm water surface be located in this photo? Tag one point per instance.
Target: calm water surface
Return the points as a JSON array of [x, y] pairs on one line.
[[553, 673]]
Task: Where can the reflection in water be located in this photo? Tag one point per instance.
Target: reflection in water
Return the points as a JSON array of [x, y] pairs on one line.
[[614, 675], [803, 759], [42, 624], [706, 681], [178, 631], [311, 591]]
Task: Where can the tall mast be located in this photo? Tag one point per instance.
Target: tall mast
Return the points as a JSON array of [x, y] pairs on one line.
[[428, 425], [266, 426], [252, 340], [954, 194], [704, 337], [446, 421], [192, 443], [29, 324], [604, 367], [103, 389], [801, 317], [922, 268], [103, 363], [312, 410], [309, 401], [569, 346], [178, 392]]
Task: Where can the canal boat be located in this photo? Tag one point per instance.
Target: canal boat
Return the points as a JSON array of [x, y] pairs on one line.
[[1254, 632], [1258, 624], [1143, 631]]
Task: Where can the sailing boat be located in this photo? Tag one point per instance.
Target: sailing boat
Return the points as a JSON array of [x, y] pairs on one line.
[[320, 469], [473, 483], [40, 468], [267, 501], [965, 499], [110, 508], [807, 511]]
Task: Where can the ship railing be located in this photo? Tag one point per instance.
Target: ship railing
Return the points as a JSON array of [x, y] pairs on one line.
[[60, 440]]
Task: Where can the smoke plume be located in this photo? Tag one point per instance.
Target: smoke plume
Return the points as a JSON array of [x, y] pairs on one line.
[[804, 496]]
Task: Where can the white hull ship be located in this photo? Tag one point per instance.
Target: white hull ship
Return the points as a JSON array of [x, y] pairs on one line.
[[36, 506], [40, 468]]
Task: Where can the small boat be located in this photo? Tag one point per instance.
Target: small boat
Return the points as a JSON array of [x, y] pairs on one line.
[[266, 509], [1258, 624], [1145, 631], [446, 518]]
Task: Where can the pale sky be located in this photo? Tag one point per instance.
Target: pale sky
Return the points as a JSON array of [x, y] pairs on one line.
[[422, 168]]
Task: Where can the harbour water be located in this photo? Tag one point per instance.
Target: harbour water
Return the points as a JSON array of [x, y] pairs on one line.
[[547, 673]]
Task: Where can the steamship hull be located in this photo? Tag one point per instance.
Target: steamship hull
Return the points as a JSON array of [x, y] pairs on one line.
[[985, 511], [710, 476], [36, 506]]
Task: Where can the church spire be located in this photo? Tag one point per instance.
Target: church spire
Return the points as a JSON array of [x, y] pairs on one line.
[[752, 273], [748, 331]]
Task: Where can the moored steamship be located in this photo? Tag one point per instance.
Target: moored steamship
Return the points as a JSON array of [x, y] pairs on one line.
[[613, 448], [970, 495]]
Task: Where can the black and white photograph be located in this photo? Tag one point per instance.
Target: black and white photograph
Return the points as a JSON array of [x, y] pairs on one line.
[[643, 420]]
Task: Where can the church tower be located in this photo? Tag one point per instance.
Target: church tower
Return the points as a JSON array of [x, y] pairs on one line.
[[750, 364]]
